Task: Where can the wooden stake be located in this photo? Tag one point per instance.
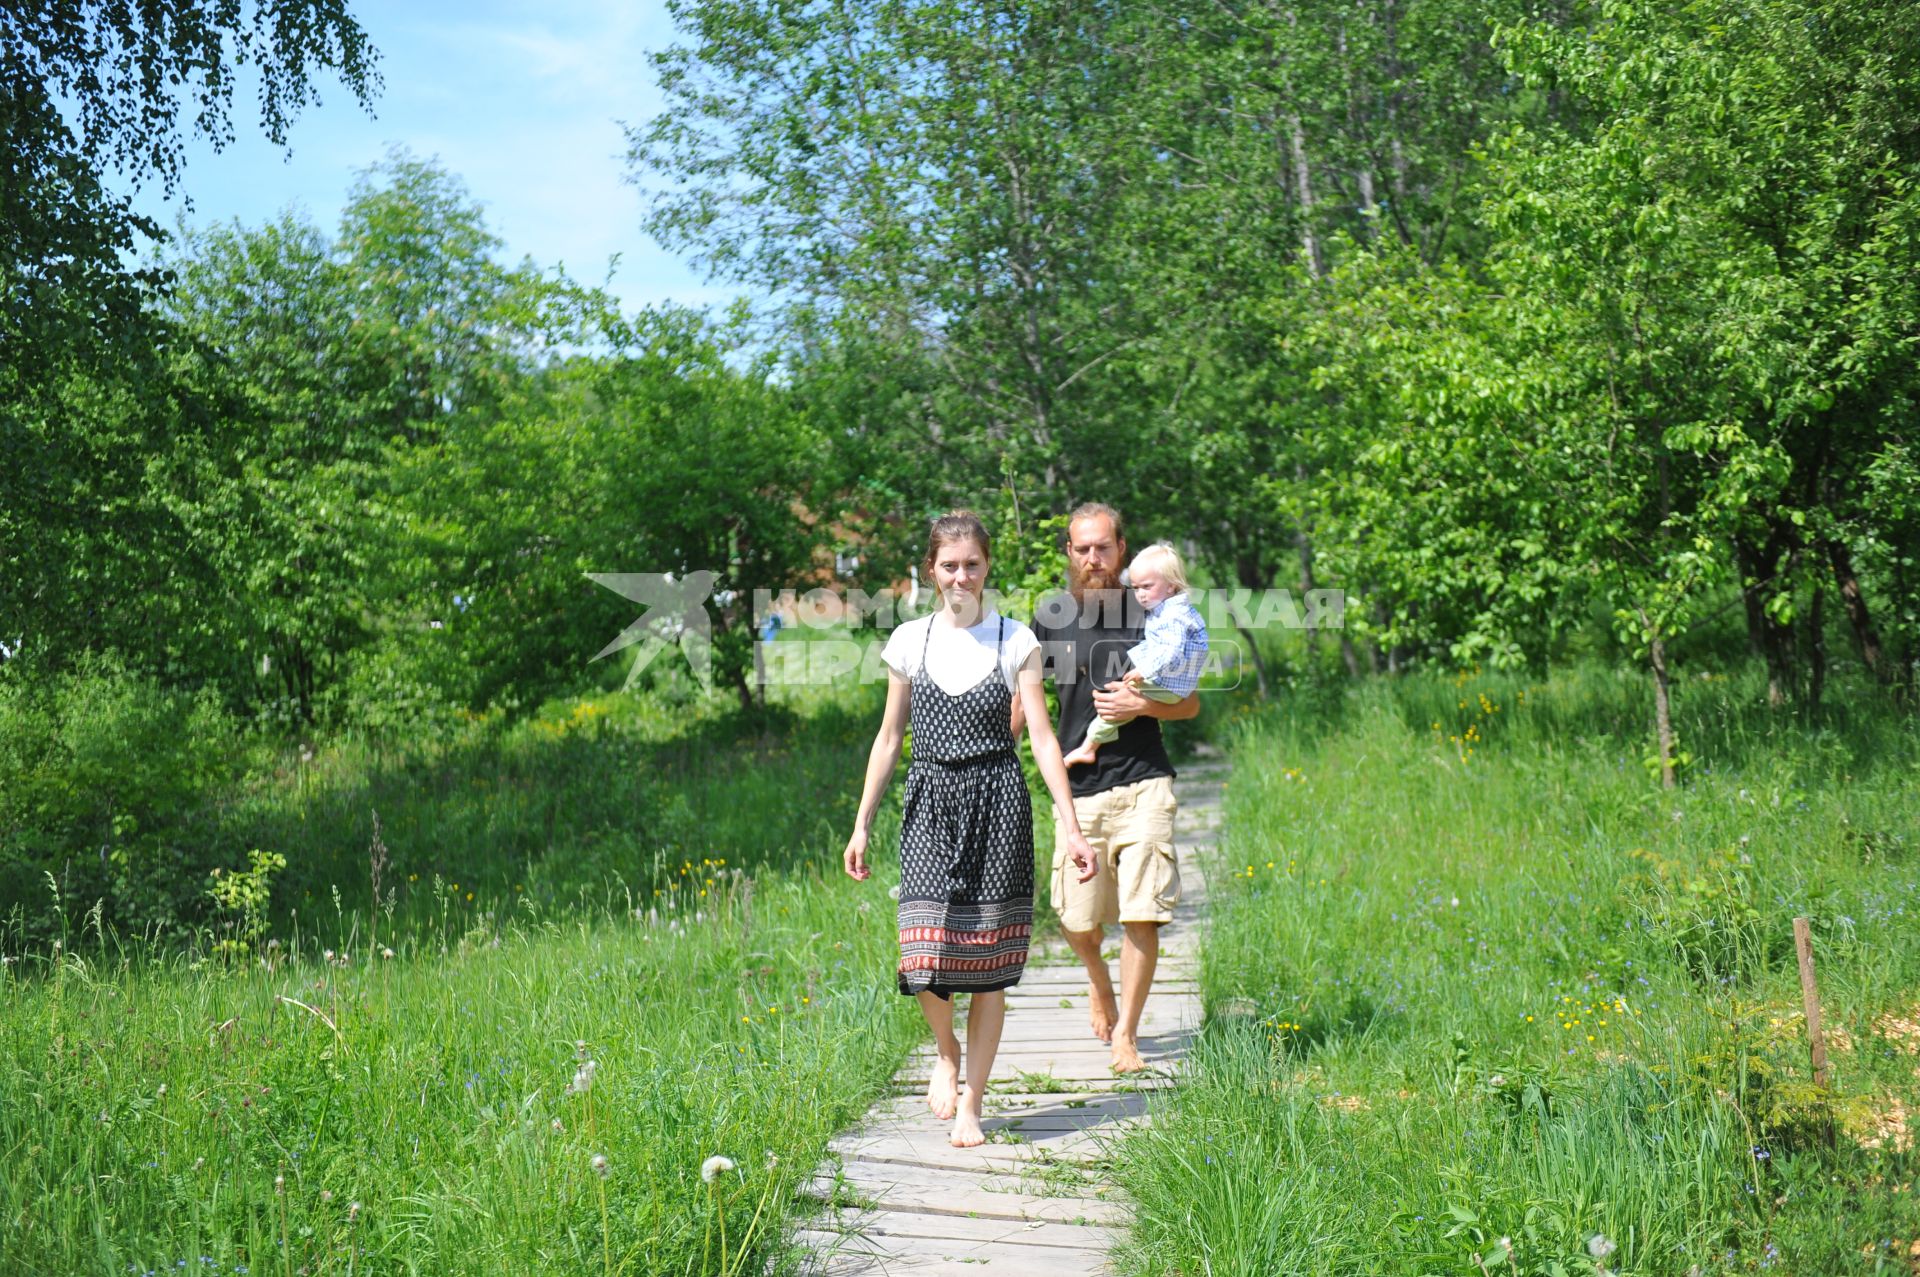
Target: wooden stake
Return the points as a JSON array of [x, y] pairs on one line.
[[1810, 997]]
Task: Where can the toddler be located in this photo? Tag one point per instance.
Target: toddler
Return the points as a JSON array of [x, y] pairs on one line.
[[1168, 659]]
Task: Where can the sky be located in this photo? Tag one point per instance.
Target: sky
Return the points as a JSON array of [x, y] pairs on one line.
[[522, 101]]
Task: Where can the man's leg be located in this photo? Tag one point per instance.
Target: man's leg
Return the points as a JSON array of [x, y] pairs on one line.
[[1139, 953], [1086, 909], [1147, 874], [1104, 1010]]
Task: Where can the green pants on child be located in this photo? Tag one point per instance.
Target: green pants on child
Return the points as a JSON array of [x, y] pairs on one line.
[[1101, 731]]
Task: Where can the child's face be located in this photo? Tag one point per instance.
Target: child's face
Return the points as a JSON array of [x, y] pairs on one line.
[[1150, 589]]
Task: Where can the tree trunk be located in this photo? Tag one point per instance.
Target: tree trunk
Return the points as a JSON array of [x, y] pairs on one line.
[[1304, 546], [1858, 617], [1817, 647], [1303, 191], [1662, 704], [1250, 576], [1759, 569]]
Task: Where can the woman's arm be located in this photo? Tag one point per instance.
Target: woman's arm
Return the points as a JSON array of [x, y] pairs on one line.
[[881, 760], [1046, 753]]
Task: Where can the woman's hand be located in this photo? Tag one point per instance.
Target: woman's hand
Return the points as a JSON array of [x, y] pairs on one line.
[[855, 858], [1084, 858]]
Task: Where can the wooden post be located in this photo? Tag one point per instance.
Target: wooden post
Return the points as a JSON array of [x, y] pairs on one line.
[[1810, 997]]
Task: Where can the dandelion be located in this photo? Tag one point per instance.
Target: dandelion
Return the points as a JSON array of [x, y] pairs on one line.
[[583, 1078], [893, 893], [600, 1165], [280, 1184], [386, 953], [714, 1167], [326, 1194], [329, 955], [1599, 1246], [557, 1126], [1497, 1081]]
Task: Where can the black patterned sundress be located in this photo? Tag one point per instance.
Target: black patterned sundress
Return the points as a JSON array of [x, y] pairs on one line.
[[966, 840]]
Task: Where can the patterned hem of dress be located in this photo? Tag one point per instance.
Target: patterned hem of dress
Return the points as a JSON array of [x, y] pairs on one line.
[[944, 990]]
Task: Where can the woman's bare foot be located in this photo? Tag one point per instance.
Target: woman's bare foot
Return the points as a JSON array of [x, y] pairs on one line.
[[966, 1124], [943, 1087], [1126, 1055], [1103, 1016], [1084, 754]]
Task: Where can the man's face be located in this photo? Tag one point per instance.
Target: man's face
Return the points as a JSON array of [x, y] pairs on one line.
[[1093, 555]]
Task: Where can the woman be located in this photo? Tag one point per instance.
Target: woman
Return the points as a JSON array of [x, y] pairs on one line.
[[966, 838]]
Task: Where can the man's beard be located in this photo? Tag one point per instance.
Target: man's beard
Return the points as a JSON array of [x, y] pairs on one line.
[[1091, 577]]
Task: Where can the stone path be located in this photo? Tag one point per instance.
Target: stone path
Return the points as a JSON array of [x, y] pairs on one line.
[[1033, 1200]]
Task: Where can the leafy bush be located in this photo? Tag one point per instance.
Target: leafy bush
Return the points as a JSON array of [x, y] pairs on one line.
[[100, 771]]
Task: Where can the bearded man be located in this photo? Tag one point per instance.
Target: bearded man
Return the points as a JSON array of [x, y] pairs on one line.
[[1124, 798]]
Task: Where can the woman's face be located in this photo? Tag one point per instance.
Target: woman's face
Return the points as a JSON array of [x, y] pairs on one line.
[[960, 573]]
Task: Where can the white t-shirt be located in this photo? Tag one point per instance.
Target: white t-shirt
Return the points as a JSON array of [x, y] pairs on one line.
[[958, 659]]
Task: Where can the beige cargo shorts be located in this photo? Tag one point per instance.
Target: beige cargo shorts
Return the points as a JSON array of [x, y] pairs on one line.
[[1131, 828]]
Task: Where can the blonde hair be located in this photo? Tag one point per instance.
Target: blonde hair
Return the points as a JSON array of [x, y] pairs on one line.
[[1164, 559]]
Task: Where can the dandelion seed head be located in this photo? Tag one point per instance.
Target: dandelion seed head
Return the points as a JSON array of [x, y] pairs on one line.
[[1600, 1246], [714, 1167], [601, 1166]]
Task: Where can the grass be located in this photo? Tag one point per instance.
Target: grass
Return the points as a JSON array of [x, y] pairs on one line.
[[415, 1113], [1481, 998], [327, 1086]]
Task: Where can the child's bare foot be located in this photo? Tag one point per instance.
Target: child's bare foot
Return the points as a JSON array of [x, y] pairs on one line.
[[1126, 1055], [943, 1087], [1104, 1015], [1082, 755], [966, 1124]]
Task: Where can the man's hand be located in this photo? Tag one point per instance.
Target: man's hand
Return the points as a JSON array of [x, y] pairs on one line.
[[1117, 702], [1084, 858]]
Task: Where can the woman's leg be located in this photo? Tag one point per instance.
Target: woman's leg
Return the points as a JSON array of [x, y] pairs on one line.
[[943, 1081], [986, 1013]]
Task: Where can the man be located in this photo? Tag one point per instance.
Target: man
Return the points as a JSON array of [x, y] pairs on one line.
[[1124, 798]]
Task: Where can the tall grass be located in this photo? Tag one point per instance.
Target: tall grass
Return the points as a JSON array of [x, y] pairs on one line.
[[1481, 997], [348, 1081], [416, 1113]]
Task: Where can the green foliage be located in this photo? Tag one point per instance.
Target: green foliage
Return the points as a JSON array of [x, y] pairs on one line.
[[1448, 1003], [102, 772], [243, 895], [88, 89]]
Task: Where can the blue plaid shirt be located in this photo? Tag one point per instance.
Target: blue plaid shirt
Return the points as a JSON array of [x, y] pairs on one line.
[[1173, 651]]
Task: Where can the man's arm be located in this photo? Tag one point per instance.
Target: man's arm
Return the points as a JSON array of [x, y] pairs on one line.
[[1120, 703]]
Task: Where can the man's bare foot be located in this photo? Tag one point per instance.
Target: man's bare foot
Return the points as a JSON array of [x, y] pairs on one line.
[[1084, 754], [1126, 1055], [966, 1125], [1104, 1014], [943, 1087]]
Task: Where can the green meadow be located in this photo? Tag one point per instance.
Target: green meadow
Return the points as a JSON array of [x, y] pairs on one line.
[[609, 943], [1482, 998]]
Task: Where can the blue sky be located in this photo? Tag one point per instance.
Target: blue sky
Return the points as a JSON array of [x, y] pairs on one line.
[[522, 101]]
